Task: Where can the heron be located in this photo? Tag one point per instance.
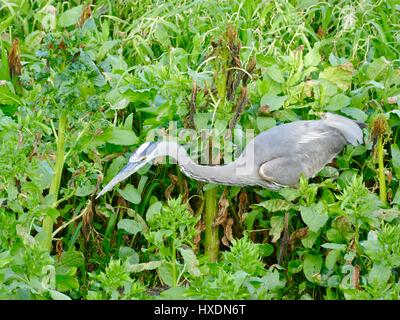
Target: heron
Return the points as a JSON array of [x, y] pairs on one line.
[[275, 158]]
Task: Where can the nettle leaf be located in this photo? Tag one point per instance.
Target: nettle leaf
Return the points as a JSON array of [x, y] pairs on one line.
[[312, 265], [128, 254], [337, 102], [153, 210], [85, 189], [331, 259], [265, 123], [139, 267], [273, 102], [277, 225], [275, 205], [309, 241], [334, 246], [190, 261], [275, 73], [123, 137], [131, 226], [376, 68], [70, 17], [315, 216], [312, 58], [94, 72], [355, 113], [340, 75], [379, 274], [265, 249], [71, 258], [130, 193]]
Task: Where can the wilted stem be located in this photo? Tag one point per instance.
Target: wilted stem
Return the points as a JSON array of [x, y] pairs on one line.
[[211, 232], [381, 171], [56, 181]]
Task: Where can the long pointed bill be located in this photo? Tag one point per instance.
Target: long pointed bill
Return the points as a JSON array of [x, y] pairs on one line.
[[129, 169]]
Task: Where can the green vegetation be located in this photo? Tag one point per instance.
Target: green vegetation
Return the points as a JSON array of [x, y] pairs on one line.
[[82, 85]]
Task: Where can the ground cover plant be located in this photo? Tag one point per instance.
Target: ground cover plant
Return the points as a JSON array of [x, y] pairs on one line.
[[84, 83]]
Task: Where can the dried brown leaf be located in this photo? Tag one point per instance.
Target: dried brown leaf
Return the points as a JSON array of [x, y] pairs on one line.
[[299, 234], [356, 277], [86, 14], [222, 215], [243, 202], [228, 236], [87, 220], [14, 59]]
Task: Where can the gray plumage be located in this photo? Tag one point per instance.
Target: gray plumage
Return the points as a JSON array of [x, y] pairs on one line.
[[274, 158]]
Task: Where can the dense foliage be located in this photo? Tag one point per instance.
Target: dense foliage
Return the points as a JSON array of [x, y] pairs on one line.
[[83, 84]]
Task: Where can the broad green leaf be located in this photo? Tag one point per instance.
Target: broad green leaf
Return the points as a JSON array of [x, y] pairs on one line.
[[331, 259], [123, 137], [273, 102], [355, 113], [275, 73], [290, 194], [68, 259], [295, 266], [312, 265], [190, 261], [70, 17], [315, 216], [395, 151], [312, 58], [139, 267], [265, 123], [7, 97], [309, 241], [272, 280], [4, 69], [130, 226], [277, 225], [337, 102], [66, 282], [265, 249], [128, 254], [130, 193], [340, 75], [376, 68], [334, 246], [56, 295], [379, 274], [85, 189], [275, 205], [201, 120], [154, 209]]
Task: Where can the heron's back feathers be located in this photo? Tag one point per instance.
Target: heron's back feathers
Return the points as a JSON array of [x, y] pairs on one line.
[[348, 128]]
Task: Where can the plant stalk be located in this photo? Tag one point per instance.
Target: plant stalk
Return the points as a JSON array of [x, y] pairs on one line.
[[174, 276], [381, 171], [56, 181], [211, 231]]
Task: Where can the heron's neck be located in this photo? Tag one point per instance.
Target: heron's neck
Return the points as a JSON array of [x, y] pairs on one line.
[[229, 174]]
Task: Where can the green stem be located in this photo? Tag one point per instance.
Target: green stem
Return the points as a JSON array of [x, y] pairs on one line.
[[174, 277], [211, 232], [180, 181], [381, 168], [56, 181]]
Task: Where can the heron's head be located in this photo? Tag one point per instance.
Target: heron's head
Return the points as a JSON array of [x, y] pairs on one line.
[[146, 153]]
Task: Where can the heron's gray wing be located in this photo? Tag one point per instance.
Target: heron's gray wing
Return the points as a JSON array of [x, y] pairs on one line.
[[310, 146]]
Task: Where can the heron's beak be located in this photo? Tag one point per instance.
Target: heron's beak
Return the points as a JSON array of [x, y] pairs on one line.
[[129, 169]]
